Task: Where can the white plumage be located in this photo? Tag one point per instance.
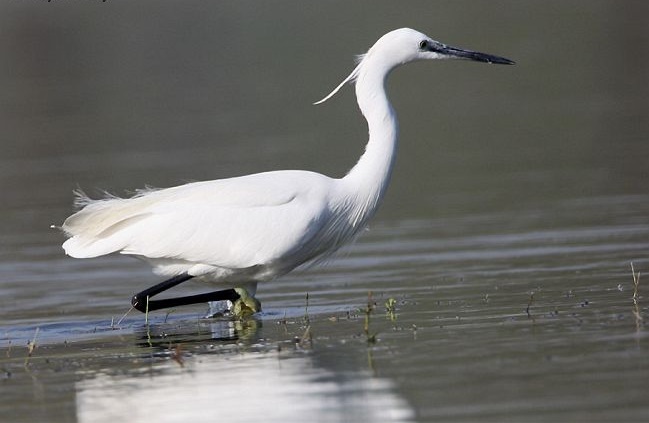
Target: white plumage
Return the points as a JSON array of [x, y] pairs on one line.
[[245, 226], [243, 230]]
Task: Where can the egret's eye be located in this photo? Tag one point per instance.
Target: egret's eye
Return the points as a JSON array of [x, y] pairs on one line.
[[423, 45]]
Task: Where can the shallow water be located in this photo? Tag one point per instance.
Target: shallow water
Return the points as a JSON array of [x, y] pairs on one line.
[[506, 239]]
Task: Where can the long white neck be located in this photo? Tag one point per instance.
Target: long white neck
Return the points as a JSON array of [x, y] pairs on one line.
[[369, 178]]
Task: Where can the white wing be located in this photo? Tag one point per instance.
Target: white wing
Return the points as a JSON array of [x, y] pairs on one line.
[[233, 223]]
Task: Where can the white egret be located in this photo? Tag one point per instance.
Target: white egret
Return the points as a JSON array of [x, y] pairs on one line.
[[239, 231]]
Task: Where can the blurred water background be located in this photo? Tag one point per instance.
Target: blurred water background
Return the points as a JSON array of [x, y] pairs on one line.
[[519, 201]]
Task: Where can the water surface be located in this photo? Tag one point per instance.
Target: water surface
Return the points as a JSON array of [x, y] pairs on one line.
[[518, 204]]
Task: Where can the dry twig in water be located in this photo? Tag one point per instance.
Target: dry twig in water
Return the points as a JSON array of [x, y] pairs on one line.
[[31, 346], [636, 297], [371, 339]]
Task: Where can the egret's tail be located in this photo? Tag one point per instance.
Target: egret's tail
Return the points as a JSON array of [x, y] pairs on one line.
[[96, 229]]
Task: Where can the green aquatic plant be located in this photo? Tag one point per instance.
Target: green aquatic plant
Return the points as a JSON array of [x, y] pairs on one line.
[[391, 308]]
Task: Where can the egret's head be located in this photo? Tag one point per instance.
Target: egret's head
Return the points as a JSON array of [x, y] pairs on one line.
[[406, 45]]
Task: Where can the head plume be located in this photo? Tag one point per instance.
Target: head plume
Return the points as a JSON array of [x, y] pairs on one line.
[[351, 78]]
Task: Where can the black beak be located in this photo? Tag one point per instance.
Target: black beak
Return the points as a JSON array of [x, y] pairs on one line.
[[458, 53]]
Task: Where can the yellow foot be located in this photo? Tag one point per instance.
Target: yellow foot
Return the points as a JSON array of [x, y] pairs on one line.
[[246, 305]]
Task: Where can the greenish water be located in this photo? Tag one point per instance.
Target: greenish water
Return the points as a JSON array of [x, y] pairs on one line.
[[518, 204]]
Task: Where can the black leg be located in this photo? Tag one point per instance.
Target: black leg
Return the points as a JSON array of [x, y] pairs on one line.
[[139, 300]]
